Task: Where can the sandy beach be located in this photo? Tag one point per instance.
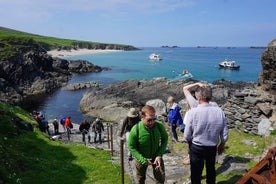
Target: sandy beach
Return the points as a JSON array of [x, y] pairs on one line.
[[62, 53]]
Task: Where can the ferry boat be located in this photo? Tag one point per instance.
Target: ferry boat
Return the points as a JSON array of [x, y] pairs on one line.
[[155, 57], [229, 65]]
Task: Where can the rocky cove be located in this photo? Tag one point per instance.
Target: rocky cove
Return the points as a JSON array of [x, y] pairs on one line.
[[32, 74], [249, 107]]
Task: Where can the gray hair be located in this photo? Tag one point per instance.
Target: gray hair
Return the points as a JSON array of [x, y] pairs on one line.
[[204, 92]]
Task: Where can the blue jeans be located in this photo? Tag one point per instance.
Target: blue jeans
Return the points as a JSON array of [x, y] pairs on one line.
[[199, 154]]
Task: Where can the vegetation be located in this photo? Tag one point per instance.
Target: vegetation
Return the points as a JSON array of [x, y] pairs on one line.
[[31, 157], [9, 37]]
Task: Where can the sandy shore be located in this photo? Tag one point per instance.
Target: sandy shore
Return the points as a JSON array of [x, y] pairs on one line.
[[62, 53]]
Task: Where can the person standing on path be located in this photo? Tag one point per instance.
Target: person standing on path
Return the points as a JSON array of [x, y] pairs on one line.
[[147, 143], [206, 132], [68, 124], [84, 129], [56, 127], [174, 117], [97, 128], [132, 119]]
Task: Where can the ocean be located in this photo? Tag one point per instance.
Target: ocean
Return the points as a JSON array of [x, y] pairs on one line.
[[202, 63]]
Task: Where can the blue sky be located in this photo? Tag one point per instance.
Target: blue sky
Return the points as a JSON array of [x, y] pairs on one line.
[[145, 23]]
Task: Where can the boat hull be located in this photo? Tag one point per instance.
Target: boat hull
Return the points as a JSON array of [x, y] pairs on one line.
[[236, 67]]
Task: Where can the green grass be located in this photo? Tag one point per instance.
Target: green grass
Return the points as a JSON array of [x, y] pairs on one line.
[[12, 41], [30, 157]]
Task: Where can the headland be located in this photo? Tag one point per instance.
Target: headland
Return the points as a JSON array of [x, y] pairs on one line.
[[75, 52]]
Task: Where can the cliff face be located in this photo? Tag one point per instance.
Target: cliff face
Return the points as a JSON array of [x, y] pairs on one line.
[[267, 77], [29, 73]]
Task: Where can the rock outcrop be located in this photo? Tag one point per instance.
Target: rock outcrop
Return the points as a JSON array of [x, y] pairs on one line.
[[79, 86], [112, 103], [31, 74], [267, 77]]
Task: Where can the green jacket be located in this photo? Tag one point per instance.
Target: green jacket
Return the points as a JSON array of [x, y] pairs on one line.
[[150, 143]]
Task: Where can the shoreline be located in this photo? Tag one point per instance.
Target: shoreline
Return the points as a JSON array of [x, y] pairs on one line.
[[73, 52]]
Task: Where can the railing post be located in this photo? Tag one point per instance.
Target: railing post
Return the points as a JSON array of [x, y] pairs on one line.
[[111, 135], [122, 160], [108, 140]]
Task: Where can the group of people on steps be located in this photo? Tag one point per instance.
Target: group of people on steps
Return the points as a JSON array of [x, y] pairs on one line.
[[204, 126], [205, 132]]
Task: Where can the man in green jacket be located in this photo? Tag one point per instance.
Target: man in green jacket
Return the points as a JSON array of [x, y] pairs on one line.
[[147, 143]]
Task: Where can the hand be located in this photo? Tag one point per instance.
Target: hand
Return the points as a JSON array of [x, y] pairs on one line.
[[221, 148], [150, 161], [157, 162], [200, 84]]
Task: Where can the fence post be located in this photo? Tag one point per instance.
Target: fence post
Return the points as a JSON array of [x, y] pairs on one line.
[[108, 140], [111, 135], [122, 160]]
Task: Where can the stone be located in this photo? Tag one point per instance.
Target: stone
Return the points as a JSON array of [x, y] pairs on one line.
[[251, 100], [264, 127], [248, 142], [241, 110], [265, 108], [159, 106], [246, 115]]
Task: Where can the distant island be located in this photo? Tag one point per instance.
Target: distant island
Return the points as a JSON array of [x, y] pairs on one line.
[[166, 46]]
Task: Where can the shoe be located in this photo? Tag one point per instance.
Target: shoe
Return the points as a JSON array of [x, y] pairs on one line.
[[130, 158]]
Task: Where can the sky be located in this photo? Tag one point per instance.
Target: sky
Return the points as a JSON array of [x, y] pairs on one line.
[[146, 23]]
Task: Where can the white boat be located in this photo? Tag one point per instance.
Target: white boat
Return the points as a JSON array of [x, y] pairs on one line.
[[155, 57], [229, 65], [184, 75]]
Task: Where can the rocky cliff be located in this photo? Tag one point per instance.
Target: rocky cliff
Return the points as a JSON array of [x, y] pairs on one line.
[[112, 103], [267, 77], [29, 73]]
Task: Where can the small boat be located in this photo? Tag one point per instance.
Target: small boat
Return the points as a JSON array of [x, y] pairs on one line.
[[229, 65], [184, 75], [155, 57]]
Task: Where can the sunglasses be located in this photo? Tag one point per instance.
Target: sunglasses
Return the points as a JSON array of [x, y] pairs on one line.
[[151, 119]]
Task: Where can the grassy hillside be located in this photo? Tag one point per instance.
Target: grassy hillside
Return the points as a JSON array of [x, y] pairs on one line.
[[9, 37], [31, 157]]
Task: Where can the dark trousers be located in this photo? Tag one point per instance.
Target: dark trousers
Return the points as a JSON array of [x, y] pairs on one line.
[[199, 155], [173, 129], [95, 137], [159, 173]]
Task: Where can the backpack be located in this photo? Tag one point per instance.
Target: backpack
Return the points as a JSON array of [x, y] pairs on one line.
[[62, 120]]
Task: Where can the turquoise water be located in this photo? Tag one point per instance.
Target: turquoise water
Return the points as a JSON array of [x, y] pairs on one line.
[[201, 62]]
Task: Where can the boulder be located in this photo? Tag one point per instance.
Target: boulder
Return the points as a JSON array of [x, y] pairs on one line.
[[159, 105], [264, 127]]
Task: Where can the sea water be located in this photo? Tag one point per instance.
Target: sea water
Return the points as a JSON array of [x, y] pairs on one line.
[[202, 63]]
